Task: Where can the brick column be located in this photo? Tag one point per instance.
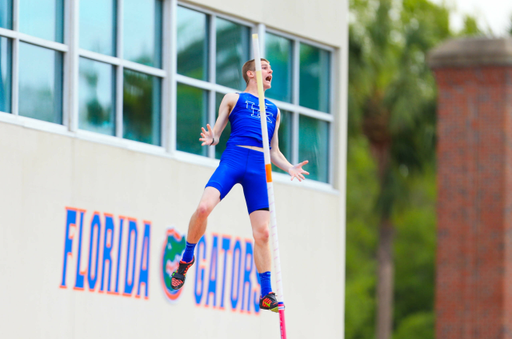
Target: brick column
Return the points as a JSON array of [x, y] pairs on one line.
[[474, 180]]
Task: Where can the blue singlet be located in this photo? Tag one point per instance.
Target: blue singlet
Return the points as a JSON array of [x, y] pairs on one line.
[[239, 165], [246, 124]]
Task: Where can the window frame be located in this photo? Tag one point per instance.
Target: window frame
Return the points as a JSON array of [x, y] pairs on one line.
[[17, 37], [209, 85], [169, 78], [295, 108], [119, 64]]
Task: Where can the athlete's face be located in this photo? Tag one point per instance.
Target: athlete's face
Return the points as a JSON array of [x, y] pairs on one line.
[[266, 74]]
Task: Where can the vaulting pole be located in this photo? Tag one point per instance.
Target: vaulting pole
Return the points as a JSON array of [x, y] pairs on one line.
[[270, 185]]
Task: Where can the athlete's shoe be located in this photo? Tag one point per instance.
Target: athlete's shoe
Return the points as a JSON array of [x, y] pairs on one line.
[[269, 302], [178, 276]]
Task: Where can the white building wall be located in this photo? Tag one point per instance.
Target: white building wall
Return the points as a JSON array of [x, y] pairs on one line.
[[323, 21]]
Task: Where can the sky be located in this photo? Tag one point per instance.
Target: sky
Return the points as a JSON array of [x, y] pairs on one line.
[[493, 15]]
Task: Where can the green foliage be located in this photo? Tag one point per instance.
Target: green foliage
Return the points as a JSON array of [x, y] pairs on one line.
[[362, 239], [360, 205], [417, 326], [470, 27], [414, 249]]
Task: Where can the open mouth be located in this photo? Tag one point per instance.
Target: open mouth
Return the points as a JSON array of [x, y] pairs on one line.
[[269, 78]]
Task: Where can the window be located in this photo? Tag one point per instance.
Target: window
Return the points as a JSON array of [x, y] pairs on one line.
[[40, 83], [96, 97], [6, 14], [98, 26], [314, 146], [130, 83], [314, 78], [302, 78], [285, 136], [5, 74], [196, 52], [141, 107], [103, 68], [143, 31], [192, 108], [300, 86], [232, 52], [43, 19], [192, 44], [35, 77], [279, 51]]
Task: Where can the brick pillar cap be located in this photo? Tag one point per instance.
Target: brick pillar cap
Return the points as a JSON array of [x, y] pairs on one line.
[[472, 52]]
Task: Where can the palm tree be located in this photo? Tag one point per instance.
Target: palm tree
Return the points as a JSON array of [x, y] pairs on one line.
[[392, 92]]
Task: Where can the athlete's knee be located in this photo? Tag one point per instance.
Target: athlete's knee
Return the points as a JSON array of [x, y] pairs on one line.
[[203, 210], [261, 234]]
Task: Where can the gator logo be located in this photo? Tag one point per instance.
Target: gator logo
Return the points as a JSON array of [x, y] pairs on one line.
[[174, 246]]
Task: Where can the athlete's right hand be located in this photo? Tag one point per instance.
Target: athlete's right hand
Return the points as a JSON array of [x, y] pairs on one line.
[[207, 136]]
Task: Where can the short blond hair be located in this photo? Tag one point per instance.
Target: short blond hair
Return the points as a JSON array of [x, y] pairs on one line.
[[250, 66]]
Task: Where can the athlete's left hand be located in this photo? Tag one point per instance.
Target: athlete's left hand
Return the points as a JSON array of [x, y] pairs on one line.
[[297, 171]]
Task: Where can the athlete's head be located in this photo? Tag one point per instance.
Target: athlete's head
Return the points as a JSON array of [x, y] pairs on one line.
[[251, 66]]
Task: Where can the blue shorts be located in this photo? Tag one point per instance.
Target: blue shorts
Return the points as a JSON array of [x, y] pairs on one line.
[[244, 166]]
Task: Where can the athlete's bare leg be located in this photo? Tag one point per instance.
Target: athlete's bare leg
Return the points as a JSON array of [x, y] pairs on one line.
[[196, 229], [260, 221], [198, 221]]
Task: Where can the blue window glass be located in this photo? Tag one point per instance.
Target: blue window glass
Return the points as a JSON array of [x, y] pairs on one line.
[[143, 31], [98, 26], [279, 54], [314, 78], [42, 18], [232, 52], [192, 114], [97, 97], [5, 75], [141, 107], [40, 83], [6, 14], [285, 137], [314, 146], [192, 43]]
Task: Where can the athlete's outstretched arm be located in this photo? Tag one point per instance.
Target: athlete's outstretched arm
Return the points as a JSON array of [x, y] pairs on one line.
[[278, 158], [211, 136]]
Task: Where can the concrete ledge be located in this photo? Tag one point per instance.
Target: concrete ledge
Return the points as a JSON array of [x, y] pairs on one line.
[[472, 52]]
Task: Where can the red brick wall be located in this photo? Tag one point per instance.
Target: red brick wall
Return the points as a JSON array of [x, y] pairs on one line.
[[474, 256]]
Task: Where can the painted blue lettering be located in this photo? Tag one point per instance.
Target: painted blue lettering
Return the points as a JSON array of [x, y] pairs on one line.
[[212, 277], [120, 242], [235, 286], [248, 264], [256, 291], [129, 280], [144, 260], [92, 277], [79, 280], [107, 251], [199, 282], [68, 242], [226, 246]]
